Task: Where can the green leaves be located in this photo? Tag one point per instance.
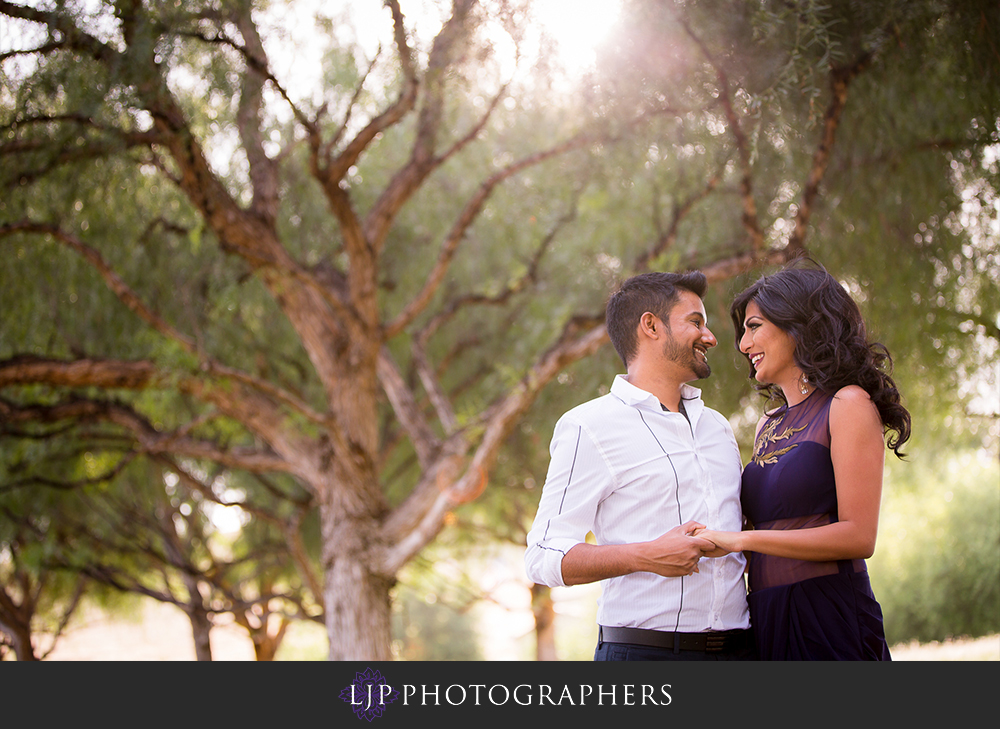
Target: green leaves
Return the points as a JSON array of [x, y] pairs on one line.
[[936, 569]]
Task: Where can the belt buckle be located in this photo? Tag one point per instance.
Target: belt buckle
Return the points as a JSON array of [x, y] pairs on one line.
[[715, 642]]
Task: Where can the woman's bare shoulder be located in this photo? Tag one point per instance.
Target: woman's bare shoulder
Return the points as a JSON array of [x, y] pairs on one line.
[[852, 407]]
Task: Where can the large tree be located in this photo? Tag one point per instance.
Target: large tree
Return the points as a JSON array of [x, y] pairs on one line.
[[365, 286]]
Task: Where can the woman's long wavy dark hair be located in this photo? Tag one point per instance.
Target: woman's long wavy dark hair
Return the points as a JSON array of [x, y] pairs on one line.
[[831, 340]]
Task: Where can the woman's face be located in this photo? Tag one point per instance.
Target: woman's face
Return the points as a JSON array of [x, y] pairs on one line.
[[771, 350]]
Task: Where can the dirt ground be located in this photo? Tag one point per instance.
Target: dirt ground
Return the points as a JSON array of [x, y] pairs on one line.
[[162, 633]]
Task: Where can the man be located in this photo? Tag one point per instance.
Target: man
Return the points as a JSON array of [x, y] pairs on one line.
[[642, 468]]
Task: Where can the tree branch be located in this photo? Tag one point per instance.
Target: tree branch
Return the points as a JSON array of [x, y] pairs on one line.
[[298, 456], [666, 240], [444, 52], [840, 79], [749, 216], [326, 151], [461, 226], [335, 172], [140, 309], [147, 438], [263, 170], [453, 479], [111, 278], [424, 441]]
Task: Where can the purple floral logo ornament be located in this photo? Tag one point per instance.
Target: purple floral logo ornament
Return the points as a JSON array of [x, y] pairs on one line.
[[369, 694]]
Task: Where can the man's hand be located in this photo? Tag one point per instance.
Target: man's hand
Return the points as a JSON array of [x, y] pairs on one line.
[[675, 553], [723, 543]]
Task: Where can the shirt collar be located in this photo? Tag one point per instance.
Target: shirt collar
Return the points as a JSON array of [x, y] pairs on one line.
[[634, 396]]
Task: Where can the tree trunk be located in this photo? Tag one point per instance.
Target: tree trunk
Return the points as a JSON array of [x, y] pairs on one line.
[[201, 628], [15, 617], [20, 638], [545, 623], [357, 612], [352, 507], [356, 598], [266, 643]]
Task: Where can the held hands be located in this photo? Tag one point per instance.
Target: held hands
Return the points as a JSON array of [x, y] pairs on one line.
[[676, 553], [723, 543]]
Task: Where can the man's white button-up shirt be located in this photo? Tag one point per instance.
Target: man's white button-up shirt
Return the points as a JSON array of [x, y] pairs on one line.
[[628, 471]]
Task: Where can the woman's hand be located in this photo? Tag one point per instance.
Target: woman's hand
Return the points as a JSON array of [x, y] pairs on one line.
[[725, 542]]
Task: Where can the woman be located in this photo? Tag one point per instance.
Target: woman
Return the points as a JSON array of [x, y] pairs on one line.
[[811, 492]]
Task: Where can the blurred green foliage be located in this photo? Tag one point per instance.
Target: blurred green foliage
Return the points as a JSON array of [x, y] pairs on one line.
[[936, 569]]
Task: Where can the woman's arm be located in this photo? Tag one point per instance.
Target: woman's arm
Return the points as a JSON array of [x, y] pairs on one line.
[[858, 453]]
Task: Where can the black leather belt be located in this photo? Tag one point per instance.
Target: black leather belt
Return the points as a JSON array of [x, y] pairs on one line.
[[713, 641]]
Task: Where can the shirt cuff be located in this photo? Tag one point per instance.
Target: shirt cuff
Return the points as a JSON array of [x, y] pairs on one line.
[[544, 561]]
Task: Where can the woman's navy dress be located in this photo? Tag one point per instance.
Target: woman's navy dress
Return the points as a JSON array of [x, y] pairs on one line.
[[802, 610]]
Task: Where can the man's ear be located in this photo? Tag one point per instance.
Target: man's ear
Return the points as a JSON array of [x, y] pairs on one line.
[[650, 325]]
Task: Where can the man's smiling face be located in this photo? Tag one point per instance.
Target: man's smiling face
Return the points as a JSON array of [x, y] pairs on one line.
[[688, 336]]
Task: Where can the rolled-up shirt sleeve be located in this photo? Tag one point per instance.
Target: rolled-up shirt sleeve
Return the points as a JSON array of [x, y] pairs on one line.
[[578, 478]]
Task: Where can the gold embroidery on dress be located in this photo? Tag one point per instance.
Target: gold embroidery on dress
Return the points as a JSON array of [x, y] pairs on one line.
[[768, 436]]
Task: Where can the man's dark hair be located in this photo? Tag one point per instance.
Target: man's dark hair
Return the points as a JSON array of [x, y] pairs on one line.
[[653, 292]]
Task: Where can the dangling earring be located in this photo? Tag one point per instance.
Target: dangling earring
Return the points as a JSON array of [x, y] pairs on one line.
[[803, 384]]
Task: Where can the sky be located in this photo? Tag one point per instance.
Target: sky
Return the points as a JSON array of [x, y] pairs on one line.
[[576, 26]]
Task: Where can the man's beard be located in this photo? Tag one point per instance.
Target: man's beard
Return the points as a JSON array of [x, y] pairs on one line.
[[686, 357]]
